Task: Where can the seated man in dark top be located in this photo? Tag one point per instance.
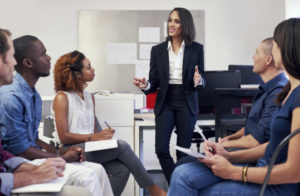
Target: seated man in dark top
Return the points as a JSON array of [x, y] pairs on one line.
[[257, 128]]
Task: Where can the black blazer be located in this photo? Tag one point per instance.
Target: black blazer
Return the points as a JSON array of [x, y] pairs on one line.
[[159, 74]]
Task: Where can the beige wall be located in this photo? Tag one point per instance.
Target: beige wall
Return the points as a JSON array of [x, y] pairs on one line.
[[233, 27]]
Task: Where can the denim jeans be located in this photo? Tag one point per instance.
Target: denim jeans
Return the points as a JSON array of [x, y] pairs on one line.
[[196, 179]]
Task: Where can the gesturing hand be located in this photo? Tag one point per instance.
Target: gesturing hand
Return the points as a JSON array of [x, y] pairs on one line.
[[197, 76], [140, 82]]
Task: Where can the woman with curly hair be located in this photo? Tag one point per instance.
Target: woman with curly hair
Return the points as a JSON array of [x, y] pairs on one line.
[[74, 111]]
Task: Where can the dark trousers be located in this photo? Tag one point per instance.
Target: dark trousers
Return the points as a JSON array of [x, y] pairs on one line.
[[174, 113]]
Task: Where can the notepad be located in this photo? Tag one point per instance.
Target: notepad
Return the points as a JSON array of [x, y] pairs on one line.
[[190, 152], [100, 145], [52, 186]]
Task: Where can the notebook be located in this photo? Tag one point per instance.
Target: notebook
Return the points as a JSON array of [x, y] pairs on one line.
[[48, 187], [100, 145], [190, 152]]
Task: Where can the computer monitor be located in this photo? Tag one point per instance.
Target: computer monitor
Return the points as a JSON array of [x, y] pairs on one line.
[[213, 80], [247, 75]]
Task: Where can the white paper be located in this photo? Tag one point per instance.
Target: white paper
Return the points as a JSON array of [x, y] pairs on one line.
[[149, 34], [165, 29], [190, 152], [142, 68], [145, 51], [121, 53], [52, 186], [100, 145]]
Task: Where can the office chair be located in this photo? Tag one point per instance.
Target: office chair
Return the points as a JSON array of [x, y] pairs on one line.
[[207, 97], [273, 158], [228, 115]]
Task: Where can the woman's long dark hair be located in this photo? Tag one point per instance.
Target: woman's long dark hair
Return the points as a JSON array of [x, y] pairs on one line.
[[187, 25], [287, 37]]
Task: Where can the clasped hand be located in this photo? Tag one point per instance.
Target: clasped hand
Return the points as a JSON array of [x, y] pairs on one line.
[[74, 154]]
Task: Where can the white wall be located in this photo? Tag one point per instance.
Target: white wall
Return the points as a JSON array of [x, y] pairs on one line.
[[233, 27]]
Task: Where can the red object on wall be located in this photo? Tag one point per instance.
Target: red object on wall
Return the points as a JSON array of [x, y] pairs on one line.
[[150, 100]]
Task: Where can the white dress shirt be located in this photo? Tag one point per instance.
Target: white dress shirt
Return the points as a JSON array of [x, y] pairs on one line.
[[175, 64]]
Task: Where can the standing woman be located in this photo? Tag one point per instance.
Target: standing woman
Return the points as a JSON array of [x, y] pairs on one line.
[[176, 67]]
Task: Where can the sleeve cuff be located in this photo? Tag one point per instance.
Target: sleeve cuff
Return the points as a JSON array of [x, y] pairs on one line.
[[18, 148], [7, 183], [147, 88], [202, 82], [13, 163], [258, 137]]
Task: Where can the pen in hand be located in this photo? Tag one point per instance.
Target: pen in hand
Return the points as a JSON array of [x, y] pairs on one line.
[[202, 135], [107, 124], [57, 149]]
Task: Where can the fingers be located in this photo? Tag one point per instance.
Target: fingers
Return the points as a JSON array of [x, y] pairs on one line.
[[208, 149], [57, 162], [109, 133], [197, 77], [220, 141], [110, 130], [59, 172], [208, 162], [140, 82], [51, 169]]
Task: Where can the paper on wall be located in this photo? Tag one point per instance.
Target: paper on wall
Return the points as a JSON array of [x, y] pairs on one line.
[[145, 51], [149, 34], [142, 68], [121, 53]]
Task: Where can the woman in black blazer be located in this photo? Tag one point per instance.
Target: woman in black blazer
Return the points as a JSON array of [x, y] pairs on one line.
[[176, 67]]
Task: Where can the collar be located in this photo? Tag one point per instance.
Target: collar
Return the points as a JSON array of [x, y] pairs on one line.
[[24, 85], [280, 79], [170, 45]]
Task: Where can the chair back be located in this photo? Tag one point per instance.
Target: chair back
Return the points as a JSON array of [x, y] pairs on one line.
[[273, 158]]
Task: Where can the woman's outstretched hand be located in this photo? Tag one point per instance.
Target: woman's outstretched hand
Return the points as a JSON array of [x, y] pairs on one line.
[[197, 76], [140, 82]]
